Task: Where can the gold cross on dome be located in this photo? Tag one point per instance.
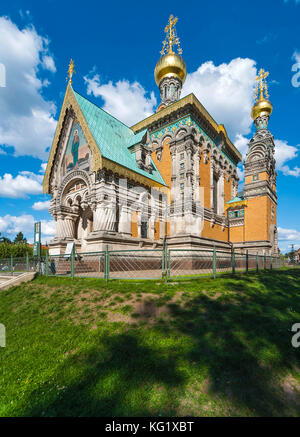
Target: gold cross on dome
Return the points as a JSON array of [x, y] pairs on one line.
[[261, 85], [171, 37]]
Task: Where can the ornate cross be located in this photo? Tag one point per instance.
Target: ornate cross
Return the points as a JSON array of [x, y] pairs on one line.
[[262, 84], [171, 37]]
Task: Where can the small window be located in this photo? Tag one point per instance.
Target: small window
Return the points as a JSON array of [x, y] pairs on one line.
[[181, 175], [181, 155], [144, 230], [255, 177], [181, 186], [181, 165]]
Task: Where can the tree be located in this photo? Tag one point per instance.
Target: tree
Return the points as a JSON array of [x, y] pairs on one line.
[[20, 238], [4, 239]]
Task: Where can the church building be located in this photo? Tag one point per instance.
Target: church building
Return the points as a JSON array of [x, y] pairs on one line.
[[171, 178]]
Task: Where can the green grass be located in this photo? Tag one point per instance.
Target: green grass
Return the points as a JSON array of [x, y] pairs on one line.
[[198, 347]]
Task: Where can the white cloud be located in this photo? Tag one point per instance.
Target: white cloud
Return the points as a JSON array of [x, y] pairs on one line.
[[43, 167], [296, 56], [241, 143], [284, 152], [286, 237], [124, 100], [24, 184], [11, 225], [226, 91], [48, 228], [26, 119], [287, 171], [288, 234], [48, 63], [41, 206]]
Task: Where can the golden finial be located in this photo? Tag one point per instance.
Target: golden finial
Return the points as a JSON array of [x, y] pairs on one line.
[[262, 106], [71, 71], [261, 85], [171, 37]]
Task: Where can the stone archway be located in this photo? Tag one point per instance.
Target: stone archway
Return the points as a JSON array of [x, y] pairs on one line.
[[74, 209]]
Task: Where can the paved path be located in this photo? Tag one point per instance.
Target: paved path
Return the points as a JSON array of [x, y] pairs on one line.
[[7, 281]]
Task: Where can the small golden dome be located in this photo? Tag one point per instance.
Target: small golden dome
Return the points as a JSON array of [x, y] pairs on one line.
[[262, 107], [170, 65]]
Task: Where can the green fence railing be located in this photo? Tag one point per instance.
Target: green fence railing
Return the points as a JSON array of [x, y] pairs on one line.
[[143, 263]]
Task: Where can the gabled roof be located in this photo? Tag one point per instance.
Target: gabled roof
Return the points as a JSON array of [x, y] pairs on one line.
[[113, 137]]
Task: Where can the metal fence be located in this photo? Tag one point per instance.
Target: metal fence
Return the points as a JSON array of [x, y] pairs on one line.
[[142, 264]]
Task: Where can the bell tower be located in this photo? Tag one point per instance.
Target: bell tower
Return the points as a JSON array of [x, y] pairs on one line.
[[170, 70], [260, 176]]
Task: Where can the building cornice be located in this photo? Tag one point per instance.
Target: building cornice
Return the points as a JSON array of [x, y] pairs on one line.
[[189, 104]]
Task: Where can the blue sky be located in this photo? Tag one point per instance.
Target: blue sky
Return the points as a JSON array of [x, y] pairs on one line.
[[115, 46]]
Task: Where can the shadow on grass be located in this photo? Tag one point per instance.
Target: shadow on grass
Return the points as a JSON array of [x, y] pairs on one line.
[[114, 378], [242, 338]]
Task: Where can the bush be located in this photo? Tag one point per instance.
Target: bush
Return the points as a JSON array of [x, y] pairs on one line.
[[18, 250]]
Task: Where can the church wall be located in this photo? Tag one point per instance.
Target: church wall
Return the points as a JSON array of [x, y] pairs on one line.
[[257, 219], [164, 166], [237, 234], [215, 233], [134, 225], [204, 172], [156, 229]]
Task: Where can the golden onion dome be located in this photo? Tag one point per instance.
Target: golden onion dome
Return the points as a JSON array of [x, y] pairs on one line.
[[170, 65], [261, 107]]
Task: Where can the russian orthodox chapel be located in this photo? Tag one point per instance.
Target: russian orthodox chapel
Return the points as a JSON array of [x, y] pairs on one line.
[[171, 177]]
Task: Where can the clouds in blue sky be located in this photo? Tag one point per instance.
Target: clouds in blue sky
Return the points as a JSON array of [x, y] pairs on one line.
[[27, 118], [129, 102]]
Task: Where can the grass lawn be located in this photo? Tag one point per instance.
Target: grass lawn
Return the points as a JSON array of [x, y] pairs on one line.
[[198, 347]]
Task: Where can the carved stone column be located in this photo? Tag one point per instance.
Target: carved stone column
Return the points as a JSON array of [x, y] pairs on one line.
[[98, 217], [125, 219], [174, 172], [197, 177], [69, 227], [110, 217], [151, 232], [60, 226]]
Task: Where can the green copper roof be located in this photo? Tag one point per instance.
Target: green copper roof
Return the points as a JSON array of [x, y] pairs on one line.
[[136, 138], [235, 199], [113, 138]]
